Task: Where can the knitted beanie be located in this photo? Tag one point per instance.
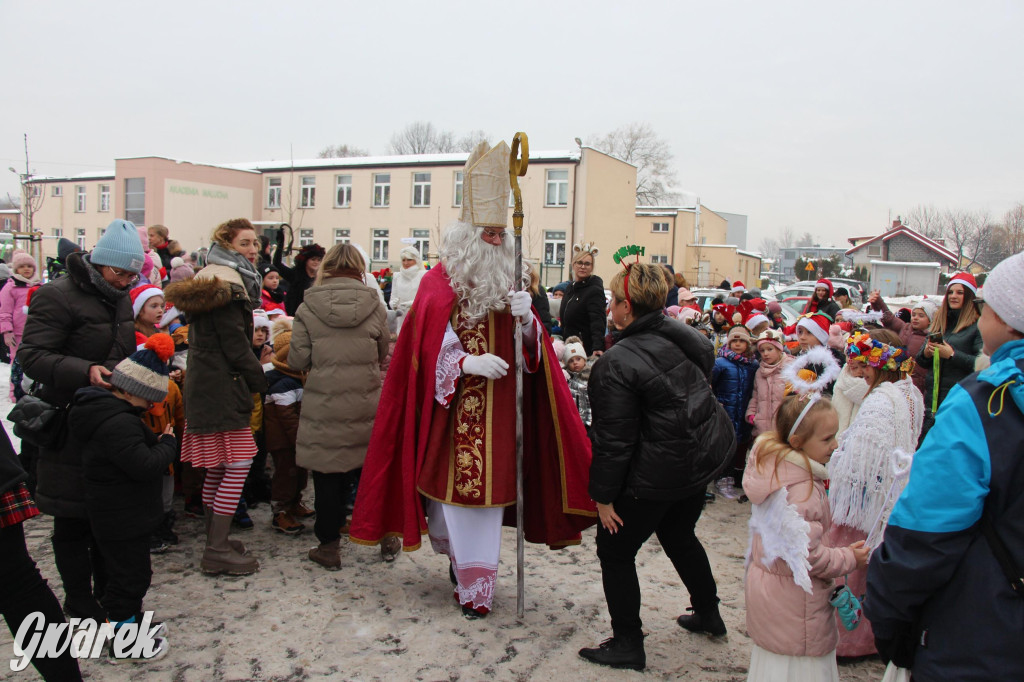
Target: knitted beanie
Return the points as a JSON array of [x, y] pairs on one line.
[[685, 295], [66, 247], [143, 374], [574, 349], [928, 306], [773, 337], [261, 322], [774, 307], [23, 258], [144, 238], [817, 324], [739, 332], [180, 270], [410, 252], [282, 342], [119, 247], [966, 279], [141, 294], [1002, 291]]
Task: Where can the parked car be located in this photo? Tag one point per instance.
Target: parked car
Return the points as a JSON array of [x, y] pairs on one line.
[[806, 290], [795, 306]]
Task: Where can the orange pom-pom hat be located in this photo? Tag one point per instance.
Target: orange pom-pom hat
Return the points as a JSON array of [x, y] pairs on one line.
[[144, 373]]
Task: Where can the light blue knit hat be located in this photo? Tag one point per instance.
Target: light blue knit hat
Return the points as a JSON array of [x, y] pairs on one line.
[[119, 247]]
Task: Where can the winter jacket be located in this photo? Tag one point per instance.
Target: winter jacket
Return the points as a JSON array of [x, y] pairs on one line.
[[281, 410], [340, 336], [913, 339], [847, 394], [404, 286], [222, 373], [966, 345], [769, 390], [732, 380], [583, 313], [782, 616], [77, 321], [12, 308], [298, 282], [11, 471], [935, 579], [541, 304], [173, 412], [828, 306], [657, 432], [123, 462]]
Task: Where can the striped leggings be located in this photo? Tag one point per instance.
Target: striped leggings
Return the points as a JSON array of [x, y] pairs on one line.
[[223, 486]]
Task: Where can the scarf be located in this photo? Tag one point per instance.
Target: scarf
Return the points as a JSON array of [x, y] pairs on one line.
[[818, 470], [107, 291], [27, 282], [736, 357], [218, 255]]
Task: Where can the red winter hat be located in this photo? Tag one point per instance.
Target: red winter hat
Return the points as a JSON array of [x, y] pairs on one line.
[[964, 278], [141, 294], [738, 286], [755, 318], [827, 284], [725, 310], [817, 324]]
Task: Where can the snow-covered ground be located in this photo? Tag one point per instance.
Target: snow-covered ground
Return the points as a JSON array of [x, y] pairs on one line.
[[373, 621]]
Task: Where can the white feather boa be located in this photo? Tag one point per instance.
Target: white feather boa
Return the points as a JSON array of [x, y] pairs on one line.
[[785, 534], [819, 355]]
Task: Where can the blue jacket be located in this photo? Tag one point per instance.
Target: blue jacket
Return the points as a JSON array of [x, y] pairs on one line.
[[733, 382], [935, 580]]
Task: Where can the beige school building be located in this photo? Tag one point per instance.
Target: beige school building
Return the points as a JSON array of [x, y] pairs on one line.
[[385, 202]]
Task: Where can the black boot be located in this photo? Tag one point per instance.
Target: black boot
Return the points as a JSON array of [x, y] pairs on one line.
[[709, 621], [75, 567], [619, 652]]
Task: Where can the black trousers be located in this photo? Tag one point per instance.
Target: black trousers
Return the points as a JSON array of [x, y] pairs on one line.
[[78, 560], [334, 496], [24, 592], [674, 523], [129, 573]]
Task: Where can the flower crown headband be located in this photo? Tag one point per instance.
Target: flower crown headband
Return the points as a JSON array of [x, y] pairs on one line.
[[624, 252], [862, 348]]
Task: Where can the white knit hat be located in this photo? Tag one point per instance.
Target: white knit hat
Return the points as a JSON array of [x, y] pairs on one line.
[[574, 349], [928, 306], [1002, 291]]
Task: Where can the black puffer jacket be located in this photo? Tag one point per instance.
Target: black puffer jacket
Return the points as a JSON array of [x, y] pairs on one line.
[[123, 461], [658, 432], [75, 322], [583, 313]]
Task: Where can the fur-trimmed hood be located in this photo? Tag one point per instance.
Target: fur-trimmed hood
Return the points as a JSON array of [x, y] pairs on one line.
[[208, 290]]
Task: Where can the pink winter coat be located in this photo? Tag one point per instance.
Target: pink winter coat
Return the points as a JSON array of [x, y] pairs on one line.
[[12, 309], [769, 390], [781, 616]]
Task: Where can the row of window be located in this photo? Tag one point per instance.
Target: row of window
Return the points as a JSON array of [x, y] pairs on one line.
[[80, 200], [557, 194]]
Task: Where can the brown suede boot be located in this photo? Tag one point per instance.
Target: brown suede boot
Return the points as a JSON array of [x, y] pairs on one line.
[[327, 555], [235, 544], [390, 548], [219, 556]]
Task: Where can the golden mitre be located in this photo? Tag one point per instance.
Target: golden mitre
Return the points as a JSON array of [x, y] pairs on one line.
[[485, 186]]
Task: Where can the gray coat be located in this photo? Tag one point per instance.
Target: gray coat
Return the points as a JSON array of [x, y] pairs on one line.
[[340, 337]]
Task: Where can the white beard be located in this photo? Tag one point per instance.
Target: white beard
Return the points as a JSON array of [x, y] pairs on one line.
[[480, 273]]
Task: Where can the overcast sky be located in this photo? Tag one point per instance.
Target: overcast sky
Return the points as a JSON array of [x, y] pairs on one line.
[[821, 116]]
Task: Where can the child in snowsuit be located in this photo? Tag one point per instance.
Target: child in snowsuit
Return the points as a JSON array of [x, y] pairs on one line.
[[791, 568], [123, 464], [732, 380], [281, 411], [14, 311], [577, 374]]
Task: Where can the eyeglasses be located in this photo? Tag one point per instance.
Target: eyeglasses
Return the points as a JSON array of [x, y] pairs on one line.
[[581, 264], [120, 274], [492, 234]]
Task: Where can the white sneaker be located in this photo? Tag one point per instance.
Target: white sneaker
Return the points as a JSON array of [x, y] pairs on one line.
[[726, 488]]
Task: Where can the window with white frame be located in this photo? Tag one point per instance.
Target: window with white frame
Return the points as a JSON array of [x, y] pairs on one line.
[[557, 188], [381, 190], [273, 192], [874, 250], [80, 237], [135, 200], [56, 191], [660, 227], [342, 191], [659, 259], [457, 194], [308, 197], [79, 198], [104, 198], [305, 237], [554, 248], [57, 232], [342, 236], [380, 245], [422, 244], [421, 189]]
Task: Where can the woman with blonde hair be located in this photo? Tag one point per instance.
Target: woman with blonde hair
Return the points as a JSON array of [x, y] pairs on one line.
[[223, 374], [583, 306], [340, 337]]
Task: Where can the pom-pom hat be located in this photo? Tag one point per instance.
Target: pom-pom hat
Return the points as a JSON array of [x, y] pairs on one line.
[[574, 349], [144, 373], [817, 324], [965, 279], [928, 306], [22, 258], [141, 294], [1002, 291], [119, 247]]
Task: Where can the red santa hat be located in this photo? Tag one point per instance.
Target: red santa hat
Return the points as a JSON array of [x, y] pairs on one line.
[[817, 324], [725, 310], [827, 284], [738, 286], [143, 293], [28, 298], [966, 279], [755, 318]]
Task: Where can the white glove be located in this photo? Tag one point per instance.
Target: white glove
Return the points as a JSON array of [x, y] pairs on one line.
[[521, 303], [488, 366]]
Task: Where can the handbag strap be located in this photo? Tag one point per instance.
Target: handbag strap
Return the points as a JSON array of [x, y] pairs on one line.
[[1002, 554]]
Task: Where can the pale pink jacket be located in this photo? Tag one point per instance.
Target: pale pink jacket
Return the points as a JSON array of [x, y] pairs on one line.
[[12, 309], [769, 390], [781, 616]]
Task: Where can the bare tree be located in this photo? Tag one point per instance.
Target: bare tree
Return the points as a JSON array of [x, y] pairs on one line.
[[806, 240], [1013, 231], [969, 233], [769, 248], [422, 137], [470, 140], [927, 220], [342, 151], [787, 237], [638, 144]]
